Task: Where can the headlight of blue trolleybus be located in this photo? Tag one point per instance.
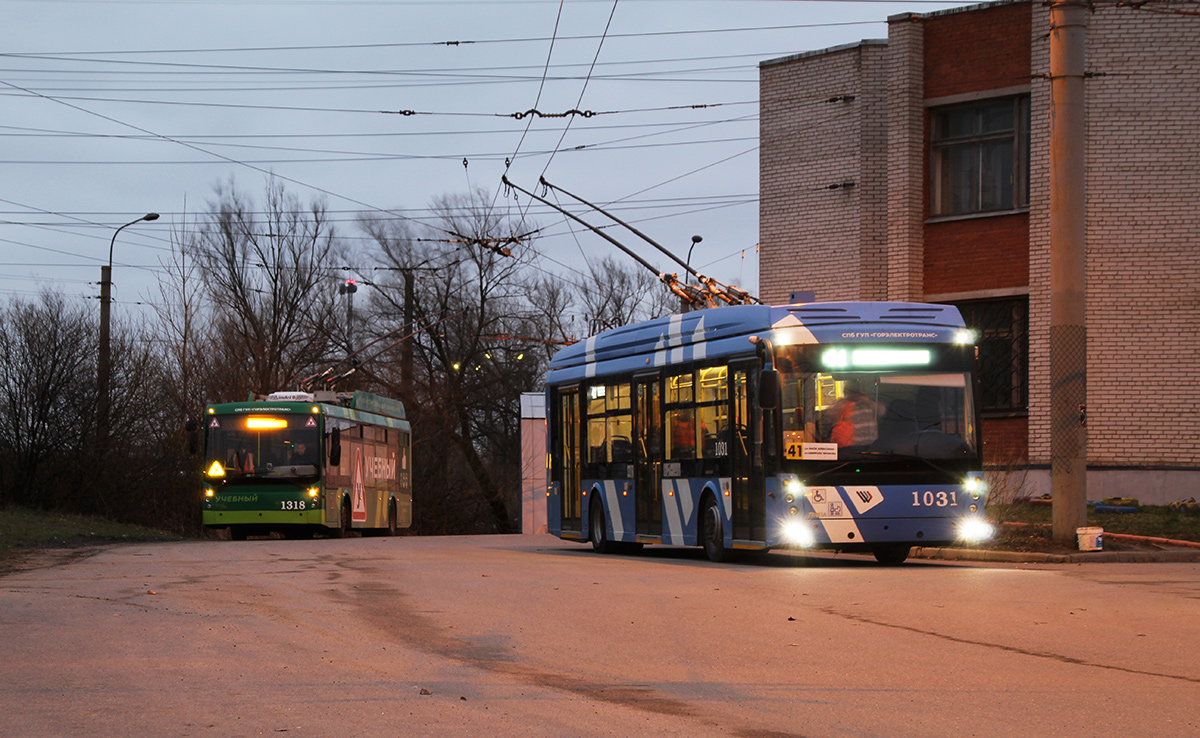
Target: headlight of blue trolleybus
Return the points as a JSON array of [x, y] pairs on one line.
[[974, 528], [799, 532]]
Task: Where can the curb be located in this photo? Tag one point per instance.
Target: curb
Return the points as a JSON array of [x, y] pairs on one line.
[[1017, 557]]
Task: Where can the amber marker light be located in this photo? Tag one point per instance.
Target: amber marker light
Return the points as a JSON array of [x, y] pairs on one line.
[[258, 422]]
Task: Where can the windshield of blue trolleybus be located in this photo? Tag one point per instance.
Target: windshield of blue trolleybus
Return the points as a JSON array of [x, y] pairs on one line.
[[261, 446], [861, 401]]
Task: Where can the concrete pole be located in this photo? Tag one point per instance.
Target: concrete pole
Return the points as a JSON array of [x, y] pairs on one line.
[[406, 351], [104, 363], [1068, 306]]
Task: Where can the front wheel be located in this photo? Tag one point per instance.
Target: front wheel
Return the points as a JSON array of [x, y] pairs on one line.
[[597, 530], [712, 533]]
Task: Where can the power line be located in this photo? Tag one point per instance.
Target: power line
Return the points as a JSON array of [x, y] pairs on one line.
[[420, 44]]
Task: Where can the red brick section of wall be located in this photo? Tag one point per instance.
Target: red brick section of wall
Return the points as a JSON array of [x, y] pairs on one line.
[[1005, 442], [977, 50], [977, 254]]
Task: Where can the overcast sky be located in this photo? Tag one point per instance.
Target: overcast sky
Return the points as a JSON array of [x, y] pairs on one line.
[[115, 108]]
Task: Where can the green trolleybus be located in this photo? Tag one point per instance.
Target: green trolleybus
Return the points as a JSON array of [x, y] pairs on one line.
[[850, 426], [301, 463]]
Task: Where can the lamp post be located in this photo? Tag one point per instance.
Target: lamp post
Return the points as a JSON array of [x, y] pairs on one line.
[[104, 366], [687, 266]]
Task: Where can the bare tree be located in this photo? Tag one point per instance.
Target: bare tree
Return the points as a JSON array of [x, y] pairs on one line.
[[473, 350], [617, 294], [184, 327], [270, 279], [47, 399]]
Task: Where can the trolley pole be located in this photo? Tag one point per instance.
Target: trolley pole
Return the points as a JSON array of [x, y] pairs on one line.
[[1068, 306]]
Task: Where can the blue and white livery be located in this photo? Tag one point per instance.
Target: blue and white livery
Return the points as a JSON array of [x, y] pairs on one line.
[[821, 425]]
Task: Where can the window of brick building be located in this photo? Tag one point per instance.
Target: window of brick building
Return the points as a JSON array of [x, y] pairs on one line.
[[980, 156], [1002, 331]]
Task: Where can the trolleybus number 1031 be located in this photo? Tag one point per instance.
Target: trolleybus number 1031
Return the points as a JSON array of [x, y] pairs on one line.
[[929, 498]]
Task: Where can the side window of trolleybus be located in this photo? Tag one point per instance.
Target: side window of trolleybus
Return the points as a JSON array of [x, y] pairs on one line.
[[681, 418], [713, 411], [609, 424]]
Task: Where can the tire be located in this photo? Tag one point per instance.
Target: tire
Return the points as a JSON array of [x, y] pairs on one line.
[[597, 530], [891, 555], [712, 533], [343, 529], [237, 533], [393, 528]]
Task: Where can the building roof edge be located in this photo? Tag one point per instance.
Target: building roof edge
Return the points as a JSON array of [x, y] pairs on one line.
[[954, 11], [821, 52]]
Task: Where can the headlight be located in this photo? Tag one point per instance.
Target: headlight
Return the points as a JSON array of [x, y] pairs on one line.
[[314, 491], [975, 485], [974, 530], [798, 534]]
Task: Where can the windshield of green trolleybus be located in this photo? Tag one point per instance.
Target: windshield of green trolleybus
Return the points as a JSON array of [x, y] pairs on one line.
[[856, 402], [262, 446]]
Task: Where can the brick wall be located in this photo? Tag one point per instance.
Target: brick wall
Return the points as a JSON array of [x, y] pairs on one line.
[[975, 52], [1143, 238], [977, 254], [1143, 224], [979, 50], [906, 164], [821, 227], [1143, 241], [1005, 442], [1039, 241]]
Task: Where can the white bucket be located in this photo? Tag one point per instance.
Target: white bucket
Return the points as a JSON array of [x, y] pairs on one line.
[[1090, 539]]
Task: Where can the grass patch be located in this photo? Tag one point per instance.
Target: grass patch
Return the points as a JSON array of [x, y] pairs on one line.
[[25, 529], [1155, 521]]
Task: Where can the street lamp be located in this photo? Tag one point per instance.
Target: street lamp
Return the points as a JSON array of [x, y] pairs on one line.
[[104, 367], [687, 268], [688, 262]]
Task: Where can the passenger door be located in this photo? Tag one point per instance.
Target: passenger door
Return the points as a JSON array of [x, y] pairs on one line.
[[648, 449]]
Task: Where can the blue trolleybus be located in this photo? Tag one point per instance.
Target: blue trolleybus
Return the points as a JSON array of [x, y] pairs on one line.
[[850, 426]]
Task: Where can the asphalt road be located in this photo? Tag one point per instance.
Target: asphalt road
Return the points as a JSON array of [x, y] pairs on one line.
[[532, 636]]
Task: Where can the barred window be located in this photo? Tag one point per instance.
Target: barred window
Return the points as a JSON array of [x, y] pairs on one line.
[[1002, 330], [980, 157]]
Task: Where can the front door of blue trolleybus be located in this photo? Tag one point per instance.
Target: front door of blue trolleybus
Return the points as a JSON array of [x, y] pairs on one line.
[[847, 426]]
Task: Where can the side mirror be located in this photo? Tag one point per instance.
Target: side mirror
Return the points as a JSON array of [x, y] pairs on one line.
[[193, 442], [335, 447], [768, 389]]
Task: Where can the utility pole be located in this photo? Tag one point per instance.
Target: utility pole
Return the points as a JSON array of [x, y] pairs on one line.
[[406, 351], [348, 288], [1068, 306]]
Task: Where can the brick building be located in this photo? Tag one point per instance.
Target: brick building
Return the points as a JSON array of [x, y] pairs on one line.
[[917, 168]]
